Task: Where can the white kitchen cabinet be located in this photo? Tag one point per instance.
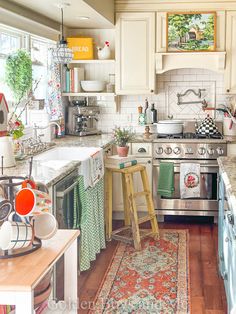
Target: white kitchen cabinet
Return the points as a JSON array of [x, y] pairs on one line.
[[230, 73], [135, 53]]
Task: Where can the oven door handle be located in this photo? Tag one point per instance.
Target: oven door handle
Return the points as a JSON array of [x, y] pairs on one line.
[[62, 194], [201, 165]]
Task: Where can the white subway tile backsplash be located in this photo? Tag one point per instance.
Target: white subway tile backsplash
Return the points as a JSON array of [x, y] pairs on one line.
[[190, 78], [168, 85], [177, 77]]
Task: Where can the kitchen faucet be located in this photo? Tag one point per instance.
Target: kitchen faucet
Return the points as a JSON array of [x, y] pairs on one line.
[[36, 127]]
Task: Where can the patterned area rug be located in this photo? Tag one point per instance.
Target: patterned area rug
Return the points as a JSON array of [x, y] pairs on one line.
[[154, 280]]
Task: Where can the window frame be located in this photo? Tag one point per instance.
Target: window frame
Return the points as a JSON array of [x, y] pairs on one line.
[[26, 40]]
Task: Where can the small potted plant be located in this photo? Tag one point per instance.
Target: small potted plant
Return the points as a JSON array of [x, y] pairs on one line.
[[121, 137]]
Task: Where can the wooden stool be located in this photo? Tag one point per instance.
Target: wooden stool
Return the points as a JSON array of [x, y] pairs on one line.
[[130, 209]]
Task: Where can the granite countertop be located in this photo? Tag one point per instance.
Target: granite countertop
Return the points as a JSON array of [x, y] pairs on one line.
[[227, 167], [102, 140], [46, 172], [49, 172]]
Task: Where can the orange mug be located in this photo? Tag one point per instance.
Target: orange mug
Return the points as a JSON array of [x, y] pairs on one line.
[[30, 202]]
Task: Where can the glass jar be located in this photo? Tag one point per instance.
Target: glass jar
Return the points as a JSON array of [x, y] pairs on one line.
[[111, 85]]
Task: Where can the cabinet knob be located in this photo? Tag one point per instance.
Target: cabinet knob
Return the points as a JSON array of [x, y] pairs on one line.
[[227, 90], [151, 90], [149, 161], [142, 150]]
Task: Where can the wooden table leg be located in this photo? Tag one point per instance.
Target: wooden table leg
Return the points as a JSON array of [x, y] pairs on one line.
[[125, 201], [150, 206], [133, 212], [71, 277]]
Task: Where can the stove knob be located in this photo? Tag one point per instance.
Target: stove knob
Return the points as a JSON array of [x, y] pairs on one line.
[[168, 150], [177, 150], [202, 151], [210, 151], [159, 150], [220, 150]]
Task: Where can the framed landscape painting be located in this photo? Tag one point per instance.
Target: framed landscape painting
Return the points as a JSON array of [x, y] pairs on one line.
[[191, 31]]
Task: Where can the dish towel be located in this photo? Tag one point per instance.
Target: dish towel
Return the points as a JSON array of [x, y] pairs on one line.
[[166, 179], [97, 166], [85, 171], [190, 180]]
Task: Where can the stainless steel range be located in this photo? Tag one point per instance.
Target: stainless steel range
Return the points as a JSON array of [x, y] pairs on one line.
[[203, 151]]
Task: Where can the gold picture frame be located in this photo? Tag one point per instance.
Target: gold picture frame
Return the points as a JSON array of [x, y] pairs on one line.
[[191, 31]]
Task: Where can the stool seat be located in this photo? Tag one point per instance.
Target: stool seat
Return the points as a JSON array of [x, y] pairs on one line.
[[132, 221]]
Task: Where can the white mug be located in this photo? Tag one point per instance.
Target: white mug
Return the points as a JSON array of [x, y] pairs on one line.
[[15, 235], [45, 226]]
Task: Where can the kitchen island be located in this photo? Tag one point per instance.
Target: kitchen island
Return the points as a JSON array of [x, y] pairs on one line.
[[227, 228]]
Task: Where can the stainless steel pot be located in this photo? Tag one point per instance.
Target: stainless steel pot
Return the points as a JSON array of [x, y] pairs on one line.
[[169, 127]]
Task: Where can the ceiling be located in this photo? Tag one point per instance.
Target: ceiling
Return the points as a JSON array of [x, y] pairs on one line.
[[77, 8]]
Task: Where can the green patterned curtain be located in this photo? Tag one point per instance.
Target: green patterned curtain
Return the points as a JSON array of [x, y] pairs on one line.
[[89, 218]]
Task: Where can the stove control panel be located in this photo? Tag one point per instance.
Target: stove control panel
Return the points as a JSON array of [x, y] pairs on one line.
[[189, 150]]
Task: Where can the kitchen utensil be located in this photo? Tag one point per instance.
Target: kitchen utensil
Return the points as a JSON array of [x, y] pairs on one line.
[[169, 127], [15, 235], [227, 131], [30, 202], [45, 226], [6, 151], [93, 86]]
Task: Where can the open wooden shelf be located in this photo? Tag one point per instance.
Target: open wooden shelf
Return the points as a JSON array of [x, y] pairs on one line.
[[94, 61], [84, 94]]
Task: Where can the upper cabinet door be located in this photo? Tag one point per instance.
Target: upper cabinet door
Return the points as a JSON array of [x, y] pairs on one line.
[[135, 53], [230, 75]]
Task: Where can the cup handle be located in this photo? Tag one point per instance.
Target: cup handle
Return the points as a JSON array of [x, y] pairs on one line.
[[22, 219], [30, 182]]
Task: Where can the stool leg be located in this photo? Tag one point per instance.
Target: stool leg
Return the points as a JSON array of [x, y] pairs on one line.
[[150, 205], [108, 216], [133, 211], [125, 201]]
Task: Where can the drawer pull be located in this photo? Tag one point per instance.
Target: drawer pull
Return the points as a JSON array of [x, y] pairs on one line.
[[142, 150]]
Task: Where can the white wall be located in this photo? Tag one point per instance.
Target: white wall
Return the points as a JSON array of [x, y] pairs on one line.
[[168, 85]]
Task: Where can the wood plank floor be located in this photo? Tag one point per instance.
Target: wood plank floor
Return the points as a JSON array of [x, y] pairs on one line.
[[206, 287]]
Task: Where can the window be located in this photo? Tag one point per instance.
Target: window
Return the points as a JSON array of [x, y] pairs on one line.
[[12, 40], [9, 42], [39, 55]]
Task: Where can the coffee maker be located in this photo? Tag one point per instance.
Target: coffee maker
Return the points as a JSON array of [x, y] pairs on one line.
[[82, 119]]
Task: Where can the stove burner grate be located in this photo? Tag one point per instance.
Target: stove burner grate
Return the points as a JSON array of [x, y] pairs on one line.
[[190, 135], [170, 136]]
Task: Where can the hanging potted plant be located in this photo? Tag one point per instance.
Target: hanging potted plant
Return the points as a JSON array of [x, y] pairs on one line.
[[19, 78], [121, 137]]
